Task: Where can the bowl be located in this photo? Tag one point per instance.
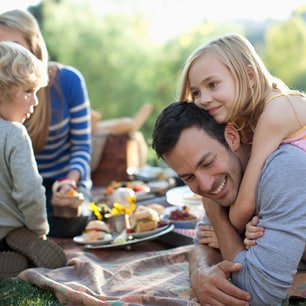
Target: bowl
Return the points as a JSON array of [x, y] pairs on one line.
[[188, 224]]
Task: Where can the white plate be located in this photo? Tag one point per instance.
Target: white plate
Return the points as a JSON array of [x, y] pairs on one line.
[[151, 173], [158, 186], [146, 233], [164, 230], [79, 240], [181, 196]]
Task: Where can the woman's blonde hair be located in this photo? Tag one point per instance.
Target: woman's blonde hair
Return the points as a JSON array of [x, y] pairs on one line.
[[24, 23], [239, 56], [19, 67]]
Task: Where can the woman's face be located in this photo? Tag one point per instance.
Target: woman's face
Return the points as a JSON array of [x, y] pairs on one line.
[[212, 86], [7, 34]]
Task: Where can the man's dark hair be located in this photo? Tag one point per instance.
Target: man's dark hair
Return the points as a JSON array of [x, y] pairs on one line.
[[178, 116]]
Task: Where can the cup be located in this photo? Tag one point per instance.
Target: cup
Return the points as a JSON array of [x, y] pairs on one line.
[[116, 223]]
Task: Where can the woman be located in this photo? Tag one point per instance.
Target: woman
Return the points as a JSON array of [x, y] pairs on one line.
[[60, 126]]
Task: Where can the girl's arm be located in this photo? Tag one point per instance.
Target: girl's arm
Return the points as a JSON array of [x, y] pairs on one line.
[[206, 235], [271, 129], [252, 232]]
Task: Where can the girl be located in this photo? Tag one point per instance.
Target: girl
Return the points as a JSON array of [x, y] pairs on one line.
[[23, 220], [228, 79]]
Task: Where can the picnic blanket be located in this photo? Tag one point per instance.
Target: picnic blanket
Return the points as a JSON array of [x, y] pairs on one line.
[[120, 278], [126, 278]]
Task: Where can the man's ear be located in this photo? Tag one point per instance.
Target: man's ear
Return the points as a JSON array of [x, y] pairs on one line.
[[232, 137], [251, 75]]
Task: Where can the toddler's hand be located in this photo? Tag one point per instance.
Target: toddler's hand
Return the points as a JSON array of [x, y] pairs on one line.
[[64, 186], [252, 232], [207, 235]]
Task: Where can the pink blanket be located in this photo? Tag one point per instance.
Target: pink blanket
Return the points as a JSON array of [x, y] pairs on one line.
[[122, 278], [125, 278]]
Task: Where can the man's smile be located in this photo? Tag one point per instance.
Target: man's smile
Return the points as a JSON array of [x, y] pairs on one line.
[[220, 187]]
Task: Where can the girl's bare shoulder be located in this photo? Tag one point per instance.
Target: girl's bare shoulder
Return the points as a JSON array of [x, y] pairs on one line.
[[286, 110]]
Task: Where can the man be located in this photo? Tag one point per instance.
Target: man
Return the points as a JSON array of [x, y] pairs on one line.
[[210, 159]]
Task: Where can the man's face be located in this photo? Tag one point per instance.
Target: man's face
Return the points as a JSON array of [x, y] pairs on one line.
[[206, 166]]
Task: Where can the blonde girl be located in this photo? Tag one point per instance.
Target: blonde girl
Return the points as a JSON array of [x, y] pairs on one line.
[[228, 79]]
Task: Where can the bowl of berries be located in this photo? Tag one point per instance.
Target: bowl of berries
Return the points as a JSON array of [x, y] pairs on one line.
[[180, 217]]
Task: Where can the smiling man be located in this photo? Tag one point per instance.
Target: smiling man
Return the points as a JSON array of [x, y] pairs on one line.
[[211, 160]]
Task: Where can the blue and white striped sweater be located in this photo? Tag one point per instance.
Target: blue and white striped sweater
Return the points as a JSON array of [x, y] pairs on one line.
[[69, 141]]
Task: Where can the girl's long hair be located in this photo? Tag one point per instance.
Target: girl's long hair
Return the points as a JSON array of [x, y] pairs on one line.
[[239, 56], [24, 23]]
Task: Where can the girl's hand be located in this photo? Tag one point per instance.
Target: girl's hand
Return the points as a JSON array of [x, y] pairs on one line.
[[252, 232], [206, 235]]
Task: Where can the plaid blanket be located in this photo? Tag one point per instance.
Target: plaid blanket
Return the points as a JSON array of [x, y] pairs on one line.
[[121, 278], [125, 278]]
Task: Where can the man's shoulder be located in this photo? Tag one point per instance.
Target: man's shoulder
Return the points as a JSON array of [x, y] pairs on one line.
[[285, 152], [287, 160]]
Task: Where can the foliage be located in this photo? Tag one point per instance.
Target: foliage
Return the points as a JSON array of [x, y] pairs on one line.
[[124, 68], [285, 46]]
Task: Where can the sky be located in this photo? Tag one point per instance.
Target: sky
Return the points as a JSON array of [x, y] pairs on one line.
[[170, 17]]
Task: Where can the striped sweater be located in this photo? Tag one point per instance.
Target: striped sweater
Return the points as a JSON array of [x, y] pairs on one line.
[[68, 145]]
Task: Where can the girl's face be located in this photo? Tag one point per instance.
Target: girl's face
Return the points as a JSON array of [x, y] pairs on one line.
[[6, 34], [212, 86], [22, 107]]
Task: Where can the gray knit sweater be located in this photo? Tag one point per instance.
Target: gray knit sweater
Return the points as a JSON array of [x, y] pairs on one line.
[[22, 196]]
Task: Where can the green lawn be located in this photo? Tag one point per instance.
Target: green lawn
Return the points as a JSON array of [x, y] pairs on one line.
[[15, 292]]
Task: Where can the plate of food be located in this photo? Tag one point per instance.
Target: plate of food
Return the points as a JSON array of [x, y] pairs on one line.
[[182, 195], [130, 240], [96, 232], [160, 228], [144, 224], [80, 240], [139, 187], [145, 221]]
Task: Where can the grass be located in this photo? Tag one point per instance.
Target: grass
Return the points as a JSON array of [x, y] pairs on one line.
[[15, 292]]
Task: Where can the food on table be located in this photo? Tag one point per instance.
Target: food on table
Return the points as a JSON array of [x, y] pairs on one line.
[[96, 230], [157, 207], [100, 210], [136, 186], [123, 195], [181, 214], [144, 219], [121, 238]]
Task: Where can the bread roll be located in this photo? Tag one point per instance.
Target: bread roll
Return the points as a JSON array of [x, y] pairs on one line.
[[157, 207], [144, 219], [96, 230]]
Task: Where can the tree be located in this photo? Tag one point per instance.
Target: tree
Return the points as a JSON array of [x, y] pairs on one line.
[[285, 49]]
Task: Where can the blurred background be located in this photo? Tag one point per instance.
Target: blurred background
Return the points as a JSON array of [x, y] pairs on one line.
[[131, 51]]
